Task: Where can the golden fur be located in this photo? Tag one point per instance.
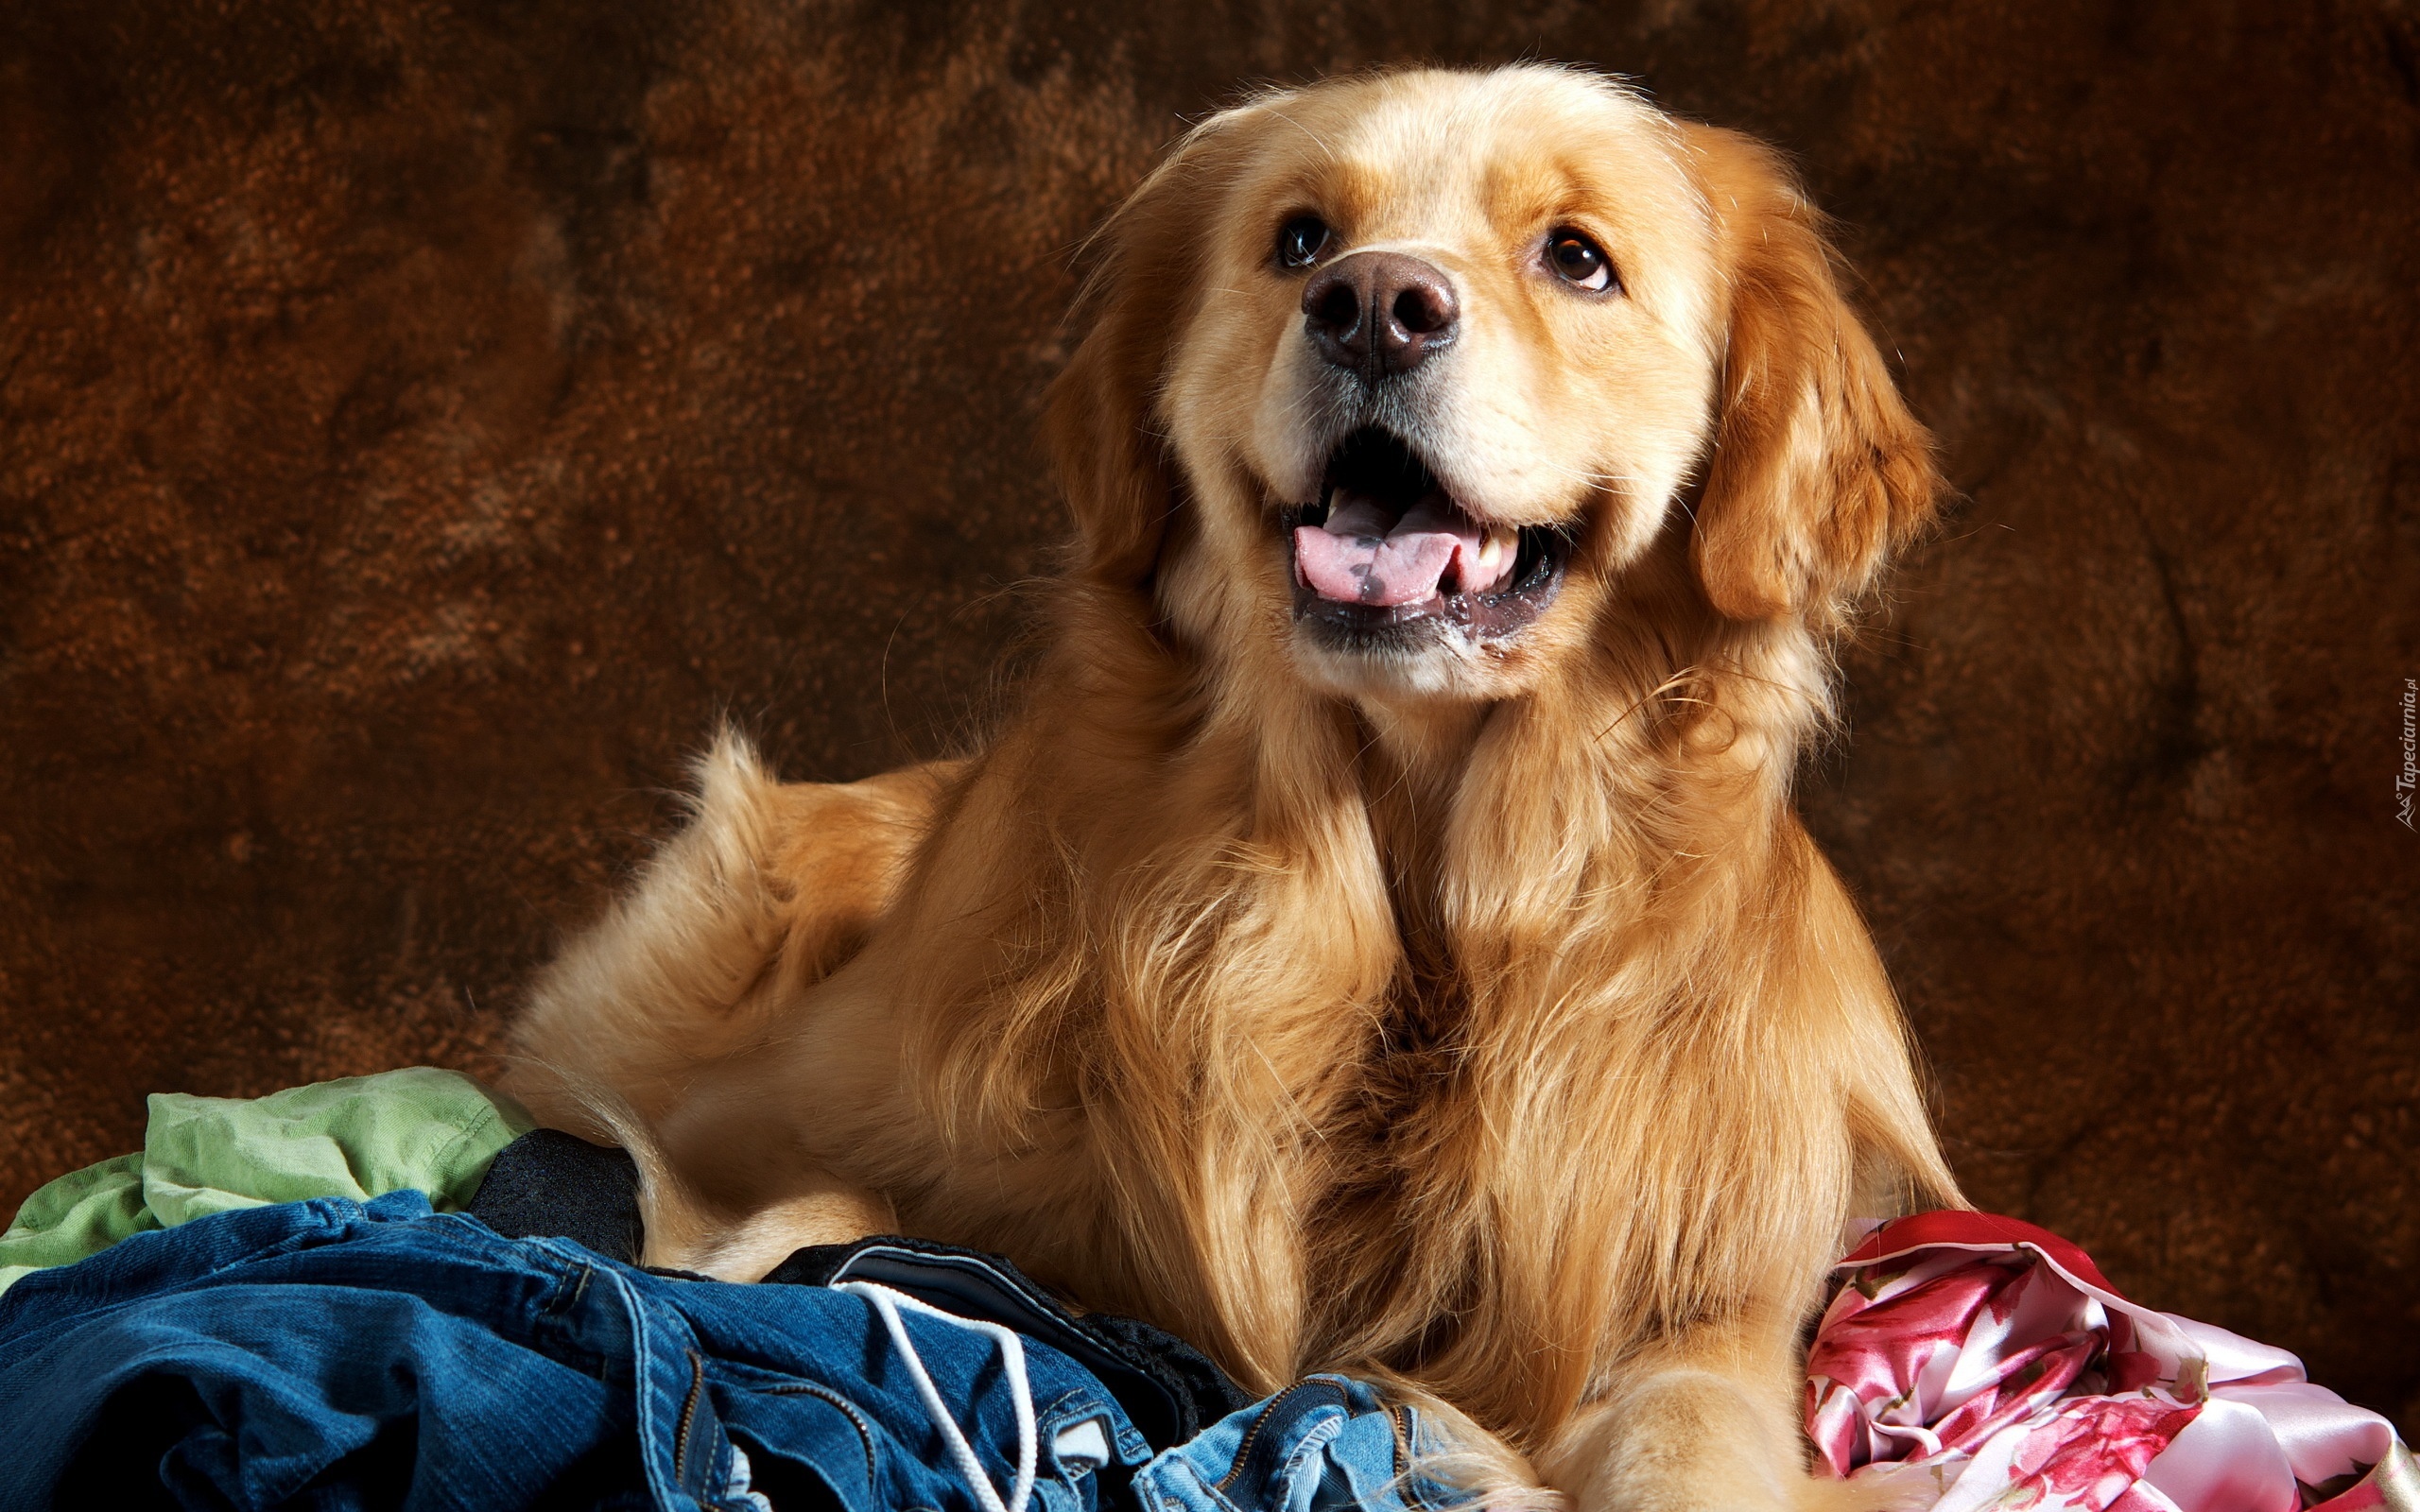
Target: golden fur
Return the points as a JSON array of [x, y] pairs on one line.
[[1481, 1016]]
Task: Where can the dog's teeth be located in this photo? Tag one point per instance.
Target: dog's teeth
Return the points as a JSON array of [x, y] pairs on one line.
[[1495, 550]]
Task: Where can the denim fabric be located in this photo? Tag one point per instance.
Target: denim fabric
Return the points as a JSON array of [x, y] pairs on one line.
[[1322, 1445], [548, 1184], [555, 1186], [1170, 1390], [331, 1354]]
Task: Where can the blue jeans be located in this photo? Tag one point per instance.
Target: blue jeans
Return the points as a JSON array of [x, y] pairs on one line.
[[335, 1354]]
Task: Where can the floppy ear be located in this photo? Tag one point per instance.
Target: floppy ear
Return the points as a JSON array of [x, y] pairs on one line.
[[1101, 420], [1818, 469]]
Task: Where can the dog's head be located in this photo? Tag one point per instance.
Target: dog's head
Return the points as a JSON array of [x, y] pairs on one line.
[[1409, 371]]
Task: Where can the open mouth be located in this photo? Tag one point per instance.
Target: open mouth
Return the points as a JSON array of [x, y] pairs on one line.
[[1387, 552]]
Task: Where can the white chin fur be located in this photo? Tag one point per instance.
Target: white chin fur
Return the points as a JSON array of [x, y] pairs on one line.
[[1453, 666]]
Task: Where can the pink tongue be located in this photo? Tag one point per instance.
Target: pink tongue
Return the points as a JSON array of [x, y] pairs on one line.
[[1364, 555]]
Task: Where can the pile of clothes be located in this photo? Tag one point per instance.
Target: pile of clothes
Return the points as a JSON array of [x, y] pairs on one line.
[[392, 1291], [1981, 1362]]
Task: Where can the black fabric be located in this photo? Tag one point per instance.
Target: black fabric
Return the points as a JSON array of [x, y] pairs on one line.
[[548, 1184], [1170, 1390], [1206, 1392]]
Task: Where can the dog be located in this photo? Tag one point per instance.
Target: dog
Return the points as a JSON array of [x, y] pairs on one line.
[[1382, 939]]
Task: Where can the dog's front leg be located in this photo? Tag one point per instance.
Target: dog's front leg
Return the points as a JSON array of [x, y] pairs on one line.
[[744, 1166], [1706, 1422], [742, 1244]]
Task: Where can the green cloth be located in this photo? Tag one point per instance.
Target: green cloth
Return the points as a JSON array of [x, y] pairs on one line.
[[81, 1213], [418, 1127]]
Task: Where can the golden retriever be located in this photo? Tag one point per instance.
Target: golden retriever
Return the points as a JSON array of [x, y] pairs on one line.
[[1383, 939]]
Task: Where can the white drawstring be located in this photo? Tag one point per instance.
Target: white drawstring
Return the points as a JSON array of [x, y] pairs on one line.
[[888, 1302]]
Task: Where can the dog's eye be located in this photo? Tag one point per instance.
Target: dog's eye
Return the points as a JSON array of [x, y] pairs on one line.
[[1300, 240], [1578, 260]]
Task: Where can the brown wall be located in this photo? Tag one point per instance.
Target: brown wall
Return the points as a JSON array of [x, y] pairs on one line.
[[418, 422]]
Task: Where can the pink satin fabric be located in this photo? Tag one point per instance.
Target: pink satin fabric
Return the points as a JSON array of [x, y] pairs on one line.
[[1985, 1363]]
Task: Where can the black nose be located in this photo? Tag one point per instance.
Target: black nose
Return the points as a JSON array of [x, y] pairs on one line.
[[1379, 313]]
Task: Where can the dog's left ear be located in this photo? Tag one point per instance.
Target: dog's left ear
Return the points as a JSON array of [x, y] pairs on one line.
[[1818, 469], [1101, 421]]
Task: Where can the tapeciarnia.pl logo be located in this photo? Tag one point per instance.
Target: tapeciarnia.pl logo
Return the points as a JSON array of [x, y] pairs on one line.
[[2405, 779]]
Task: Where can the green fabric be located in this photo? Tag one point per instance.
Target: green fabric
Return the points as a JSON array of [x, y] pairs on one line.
[[81, 1213], [418, 1127]]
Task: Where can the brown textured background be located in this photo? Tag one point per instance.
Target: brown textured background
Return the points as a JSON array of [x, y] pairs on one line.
[[418, 422]]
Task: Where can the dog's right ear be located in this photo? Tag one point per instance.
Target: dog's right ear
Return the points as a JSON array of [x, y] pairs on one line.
[[1101, 422]]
